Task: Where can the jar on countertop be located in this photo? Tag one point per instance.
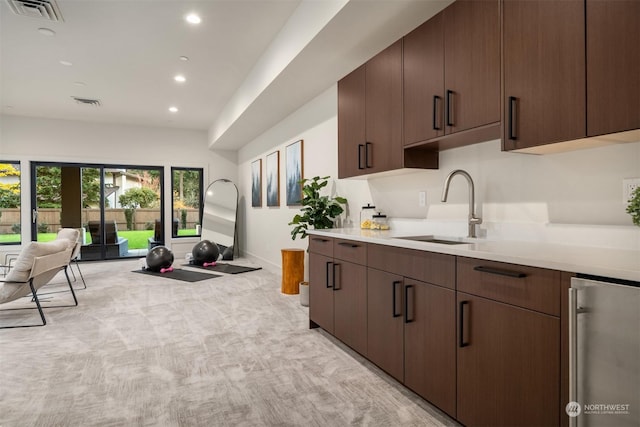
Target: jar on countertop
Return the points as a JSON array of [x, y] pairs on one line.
[[366, 216], [379, 222]]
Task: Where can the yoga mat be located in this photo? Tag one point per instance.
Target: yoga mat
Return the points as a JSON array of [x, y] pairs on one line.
[[225, 268], [179, 274]]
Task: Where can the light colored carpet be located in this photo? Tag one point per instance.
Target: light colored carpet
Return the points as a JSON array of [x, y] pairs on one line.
[[229, 351]]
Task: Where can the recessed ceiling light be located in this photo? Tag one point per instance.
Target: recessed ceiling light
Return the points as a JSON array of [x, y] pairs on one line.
[[192, 18], [47, 32], [184, 58], [173, 109], [66, 63], [180, 78]]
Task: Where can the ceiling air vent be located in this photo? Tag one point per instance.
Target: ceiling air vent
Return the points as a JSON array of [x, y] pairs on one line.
[[42, 9], [87, 101]]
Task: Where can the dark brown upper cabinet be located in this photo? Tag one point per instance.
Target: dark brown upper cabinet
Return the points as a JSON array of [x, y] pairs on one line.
[[544, 72], [424, 82], [370, 115], [383, 100], [351, 123], [613, 66], [452, 76], [548, 62], [370, 119]]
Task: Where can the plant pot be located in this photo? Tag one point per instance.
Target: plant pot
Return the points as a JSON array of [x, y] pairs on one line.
[[304, 294]]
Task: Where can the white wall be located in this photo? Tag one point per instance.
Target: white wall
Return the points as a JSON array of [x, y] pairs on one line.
[[580, 187], [34, 139], [265, 230]]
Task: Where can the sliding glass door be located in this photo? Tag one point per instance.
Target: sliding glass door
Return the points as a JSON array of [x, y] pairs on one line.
[[117, 208]]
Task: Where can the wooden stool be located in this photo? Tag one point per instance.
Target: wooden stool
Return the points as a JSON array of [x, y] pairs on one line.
[[292, 270]]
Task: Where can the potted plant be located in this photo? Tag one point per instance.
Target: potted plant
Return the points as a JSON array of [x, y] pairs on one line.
[[633, 208], [318, 211]]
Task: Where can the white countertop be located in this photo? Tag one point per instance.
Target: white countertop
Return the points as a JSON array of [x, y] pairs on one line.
[[606, 262]]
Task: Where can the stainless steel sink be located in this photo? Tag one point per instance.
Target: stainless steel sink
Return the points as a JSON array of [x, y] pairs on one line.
[[435, 239]]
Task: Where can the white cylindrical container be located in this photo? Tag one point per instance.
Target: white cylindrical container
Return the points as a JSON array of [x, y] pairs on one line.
[[304, 293]]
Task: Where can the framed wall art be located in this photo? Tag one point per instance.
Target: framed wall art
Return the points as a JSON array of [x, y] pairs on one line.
[[294, 162], [256, 183], [273, 178]]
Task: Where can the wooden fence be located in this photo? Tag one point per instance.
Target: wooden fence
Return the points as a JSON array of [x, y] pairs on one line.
[[144, 218]]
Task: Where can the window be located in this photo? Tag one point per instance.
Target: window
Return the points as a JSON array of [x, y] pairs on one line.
[[186, 186], [10, 203]]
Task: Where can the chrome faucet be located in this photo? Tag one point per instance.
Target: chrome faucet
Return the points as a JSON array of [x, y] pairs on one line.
[[473, 220]]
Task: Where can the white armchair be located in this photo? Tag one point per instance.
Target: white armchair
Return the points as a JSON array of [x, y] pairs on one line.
[[36, 265]]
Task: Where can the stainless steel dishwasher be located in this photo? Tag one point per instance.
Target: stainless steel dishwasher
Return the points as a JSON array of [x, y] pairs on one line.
[[604, 352]]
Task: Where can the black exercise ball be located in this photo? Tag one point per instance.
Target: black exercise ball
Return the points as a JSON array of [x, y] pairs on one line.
[[205, 251], [158, 258], [227, 253]]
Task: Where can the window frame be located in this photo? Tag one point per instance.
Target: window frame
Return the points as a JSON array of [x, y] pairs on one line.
[[15, 163], [174, 211]]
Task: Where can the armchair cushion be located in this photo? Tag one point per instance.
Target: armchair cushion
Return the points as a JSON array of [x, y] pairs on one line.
[[22, 267], [73, 236], [70, 234]]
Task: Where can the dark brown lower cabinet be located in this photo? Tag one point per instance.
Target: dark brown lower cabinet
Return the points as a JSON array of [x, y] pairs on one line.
[[338, 299], [429, 343], [385, 330], [460, 337], [350, 304], [321, 291], [411, 335], [508, 364]]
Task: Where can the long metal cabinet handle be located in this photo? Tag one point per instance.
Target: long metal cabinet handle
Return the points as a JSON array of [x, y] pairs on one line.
[[360, 149], [447, 107], [436, 124], [461, 341], [326, 277], [512, 117], [500, 272], [348, 245], [394, 290], [367, 154], [573, 351], [321, 240], [406, 304]]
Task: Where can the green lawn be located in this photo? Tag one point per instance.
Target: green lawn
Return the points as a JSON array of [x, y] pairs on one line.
[[137, 239]]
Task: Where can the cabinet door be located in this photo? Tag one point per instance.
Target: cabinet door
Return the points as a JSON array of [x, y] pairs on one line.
[[508, 364], [350, 305], [383, 148], [472, 64], [544, 72], [385, 339], [423, 87], [321, 291], [430, 347], [613, 66], [351, 124]]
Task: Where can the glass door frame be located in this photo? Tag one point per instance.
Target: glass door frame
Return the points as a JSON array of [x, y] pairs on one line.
[[101, 167]]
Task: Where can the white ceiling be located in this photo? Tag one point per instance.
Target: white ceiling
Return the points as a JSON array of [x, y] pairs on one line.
[[126, 53]]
